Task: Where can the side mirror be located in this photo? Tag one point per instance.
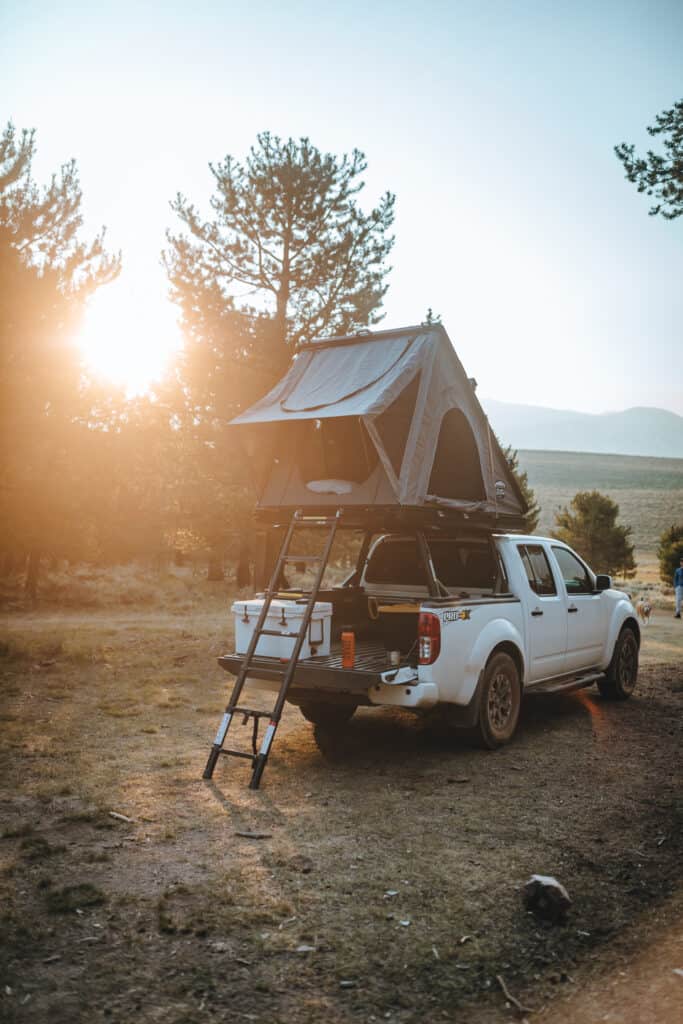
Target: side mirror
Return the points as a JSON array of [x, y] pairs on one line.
[[603, 582]]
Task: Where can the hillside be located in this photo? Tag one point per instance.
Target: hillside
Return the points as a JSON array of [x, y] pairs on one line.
[[639, 431], [649, 491]]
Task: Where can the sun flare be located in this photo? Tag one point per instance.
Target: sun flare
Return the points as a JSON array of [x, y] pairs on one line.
[[128, 338]]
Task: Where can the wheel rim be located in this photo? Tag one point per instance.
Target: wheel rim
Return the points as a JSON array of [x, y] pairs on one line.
[[500, 701], [627, 665]]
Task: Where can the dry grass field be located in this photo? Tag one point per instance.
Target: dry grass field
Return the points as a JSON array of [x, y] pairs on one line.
[[385, 882], [649, 491]]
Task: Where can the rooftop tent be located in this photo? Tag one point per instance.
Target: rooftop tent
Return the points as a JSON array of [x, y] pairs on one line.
[[383, 419]]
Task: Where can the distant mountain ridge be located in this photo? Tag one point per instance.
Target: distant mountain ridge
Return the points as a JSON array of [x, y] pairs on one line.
[[638, 431]]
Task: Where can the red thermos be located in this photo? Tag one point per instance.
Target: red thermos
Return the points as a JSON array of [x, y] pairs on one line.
[[348, 650]]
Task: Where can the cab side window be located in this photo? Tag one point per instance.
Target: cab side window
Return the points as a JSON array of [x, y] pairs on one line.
[[576, 576], [538, 571]]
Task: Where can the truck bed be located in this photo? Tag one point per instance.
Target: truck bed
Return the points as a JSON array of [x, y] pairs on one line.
[[324, 672]]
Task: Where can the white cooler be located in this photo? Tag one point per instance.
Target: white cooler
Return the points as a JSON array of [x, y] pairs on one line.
[[285, 616]]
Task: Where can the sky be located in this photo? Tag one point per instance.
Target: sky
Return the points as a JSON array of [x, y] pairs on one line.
[[493, 122]]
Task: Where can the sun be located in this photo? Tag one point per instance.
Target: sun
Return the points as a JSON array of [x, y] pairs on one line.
[[129, 336]]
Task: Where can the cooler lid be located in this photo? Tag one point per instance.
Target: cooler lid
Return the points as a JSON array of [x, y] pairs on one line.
[[252, 606]]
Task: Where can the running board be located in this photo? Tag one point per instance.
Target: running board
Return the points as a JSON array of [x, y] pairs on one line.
[[564, 686]]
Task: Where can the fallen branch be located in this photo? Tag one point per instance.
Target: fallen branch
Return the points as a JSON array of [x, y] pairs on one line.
[[511, 999], [121, 817], [254, 835]]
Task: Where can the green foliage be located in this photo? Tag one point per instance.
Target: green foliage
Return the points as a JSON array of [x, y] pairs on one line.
[[432, 317], [656, 175], [40, 404], [45, 274], [533, 512], [131, 504], [42, 224], [589, 526], [670, 552]]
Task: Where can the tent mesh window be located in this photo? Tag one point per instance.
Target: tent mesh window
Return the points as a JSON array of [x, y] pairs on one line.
[[335, 449], [393, 425], [456, 472]]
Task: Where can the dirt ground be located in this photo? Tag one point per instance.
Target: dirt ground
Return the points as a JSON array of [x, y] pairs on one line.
[[386, 880]]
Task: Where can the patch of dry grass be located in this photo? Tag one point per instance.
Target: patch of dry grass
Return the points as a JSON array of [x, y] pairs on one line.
[[649, 491], [119, 587]]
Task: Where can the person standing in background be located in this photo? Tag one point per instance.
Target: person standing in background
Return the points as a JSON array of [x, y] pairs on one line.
[[678, 589]]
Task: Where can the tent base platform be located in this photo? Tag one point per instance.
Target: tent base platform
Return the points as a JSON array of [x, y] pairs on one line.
[[393, 519]]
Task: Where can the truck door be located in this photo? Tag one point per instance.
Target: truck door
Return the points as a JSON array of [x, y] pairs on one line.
[[586, 612], [546, 615]]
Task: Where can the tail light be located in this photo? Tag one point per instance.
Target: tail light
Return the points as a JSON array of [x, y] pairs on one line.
[[429, 637]]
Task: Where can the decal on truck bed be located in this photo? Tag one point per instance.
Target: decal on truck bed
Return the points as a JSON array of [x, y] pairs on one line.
[[457, 615]]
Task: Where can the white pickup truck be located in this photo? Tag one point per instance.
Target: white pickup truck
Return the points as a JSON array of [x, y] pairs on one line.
[[518, 613]]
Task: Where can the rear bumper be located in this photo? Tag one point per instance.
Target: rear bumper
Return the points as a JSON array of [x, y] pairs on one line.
[[369, 682]]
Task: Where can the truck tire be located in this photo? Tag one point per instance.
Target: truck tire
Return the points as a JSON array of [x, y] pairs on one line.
[[327, 716], [622, 673], [499, 702]]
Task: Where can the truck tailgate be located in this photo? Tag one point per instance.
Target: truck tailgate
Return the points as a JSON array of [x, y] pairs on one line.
[[324, 672]]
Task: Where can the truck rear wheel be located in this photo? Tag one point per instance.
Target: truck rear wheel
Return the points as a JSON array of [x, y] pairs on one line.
[[499, 702], [328, 716], [622, 673]]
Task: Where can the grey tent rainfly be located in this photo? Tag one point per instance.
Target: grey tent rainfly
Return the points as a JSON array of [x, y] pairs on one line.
[[387, 420]]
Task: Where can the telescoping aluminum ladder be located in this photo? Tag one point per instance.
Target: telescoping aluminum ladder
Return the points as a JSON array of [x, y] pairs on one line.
[[259, 757]]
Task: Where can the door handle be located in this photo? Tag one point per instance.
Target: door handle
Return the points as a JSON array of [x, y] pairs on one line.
[[572, 608], [537, 611]]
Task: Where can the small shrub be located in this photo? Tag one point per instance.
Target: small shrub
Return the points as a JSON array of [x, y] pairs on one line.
[[74, 897], [589, 525], [36, 848], [31, 648], [25, 828], [670, 552]]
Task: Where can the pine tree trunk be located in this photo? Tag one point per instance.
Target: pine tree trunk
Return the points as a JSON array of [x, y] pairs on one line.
[[216, 572], [244, 560], [9, 563], [32, 574]]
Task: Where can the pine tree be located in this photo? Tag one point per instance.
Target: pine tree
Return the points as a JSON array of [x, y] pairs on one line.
[[42, 225], [46, 271], [287, 229], [533, 512], [589, 525], [659, 176], [670, 552]]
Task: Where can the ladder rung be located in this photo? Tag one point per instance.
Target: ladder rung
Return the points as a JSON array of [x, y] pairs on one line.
[[250, 711], [278, 668], [276, 632], [313, 521], [285, 594], [237, 753], [302, 558]]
